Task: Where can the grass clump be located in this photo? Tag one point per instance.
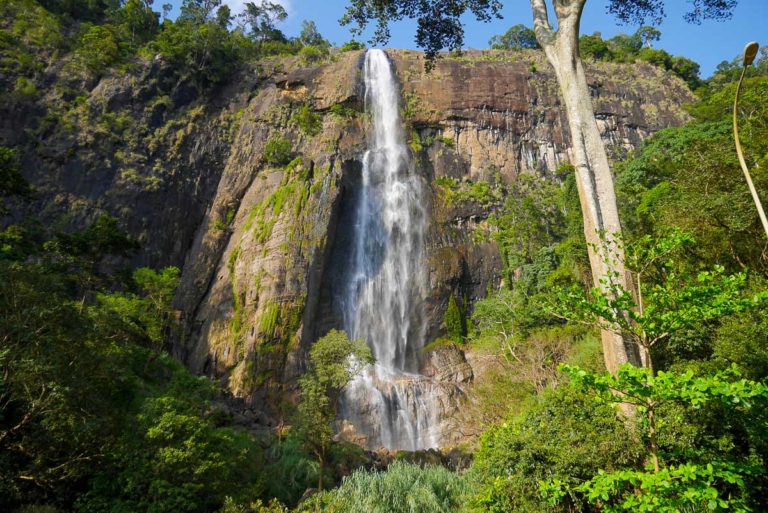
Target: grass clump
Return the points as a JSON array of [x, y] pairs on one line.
[[309, 122], [278, 151], [456, 192], [402, 488]]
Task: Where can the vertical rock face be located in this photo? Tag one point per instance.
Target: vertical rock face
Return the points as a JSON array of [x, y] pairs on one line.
[[254, 192], [259, 292], [250, 284]]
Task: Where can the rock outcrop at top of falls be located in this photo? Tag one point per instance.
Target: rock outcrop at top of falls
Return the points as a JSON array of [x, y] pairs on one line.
[[248, 189]]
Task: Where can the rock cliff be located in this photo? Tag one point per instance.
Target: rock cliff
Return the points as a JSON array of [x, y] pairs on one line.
[[248, 188]]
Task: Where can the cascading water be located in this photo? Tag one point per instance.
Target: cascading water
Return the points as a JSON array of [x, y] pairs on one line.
[[383, 300]]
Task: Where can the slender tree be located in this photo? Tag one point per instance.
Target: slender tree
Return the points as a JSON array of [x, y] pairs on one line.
[[334, 361], [439, 26], [648, 34], [311, 36], [262, 18]]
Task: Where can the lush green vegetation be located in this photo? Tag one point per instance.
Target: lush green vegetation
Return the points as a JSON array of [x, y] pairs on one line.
[[206, 43], [637, 47], [695, 248], [402, 488], [334, 361], [455, 321], [620, 48], [278, 151], [517, 37], [96, 416]]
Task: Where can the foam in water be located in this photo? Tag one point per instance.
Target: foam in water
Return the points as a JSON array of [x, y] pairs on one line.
[[390, 403]]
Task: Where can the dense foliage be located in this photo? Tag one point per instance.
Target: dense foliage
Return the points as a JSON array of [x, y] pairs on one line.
[[402, 488], [637, 47], [565, 436], [206, 43], [95, 415], [696, 251], [334, 361]]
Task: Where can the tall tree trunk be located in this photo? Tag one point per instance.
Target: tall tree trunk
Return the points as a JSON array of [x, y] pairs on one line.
[[593, 174]]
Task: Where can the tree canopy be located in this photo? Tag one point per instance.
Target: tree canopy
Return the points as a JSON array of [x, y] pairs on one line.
[[516, 38], [440, 26]]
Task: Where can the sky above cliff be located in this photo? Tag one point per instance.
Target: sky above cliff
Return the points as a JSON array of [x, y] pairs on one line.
[[708, 43]]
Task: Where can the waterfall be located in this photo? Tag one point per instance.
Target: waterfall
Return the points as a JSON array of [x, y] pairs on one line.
[[384, 294]]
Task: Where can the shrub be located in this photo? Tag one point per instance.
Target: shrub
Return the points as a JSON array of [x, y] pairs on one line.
[[343, 111], [277, 151], [455, 321], [25, 88], [312, 54], [402, 488], [98, 48], [351, 46], [567, 436], [308, 121]]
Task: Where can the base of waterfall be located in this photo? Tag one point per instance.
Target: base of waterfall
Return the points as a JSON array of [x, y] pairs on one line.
[[386, 409]]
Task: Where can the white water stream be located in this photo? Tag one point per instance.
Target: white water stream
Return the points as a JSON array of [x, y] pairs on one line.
[[390, 403]]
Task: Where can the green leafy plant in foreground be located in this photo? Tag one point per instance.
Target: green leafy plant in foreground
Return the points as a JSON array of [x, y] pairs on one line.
[[717, 485], [402, 488], [676, 301]]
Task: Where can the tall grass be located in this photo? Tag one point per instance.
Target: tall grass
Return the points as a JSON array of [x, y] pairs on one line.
[[402, 488]]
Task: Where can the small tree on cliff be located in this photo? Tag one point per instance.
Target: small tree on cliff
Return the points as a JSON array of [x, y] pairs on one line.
[[440, 27], [516, 38], [334, 361]]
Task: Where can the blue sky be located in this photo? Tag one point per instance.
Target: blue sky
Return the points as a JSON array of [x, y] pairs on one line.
[[708, 43]]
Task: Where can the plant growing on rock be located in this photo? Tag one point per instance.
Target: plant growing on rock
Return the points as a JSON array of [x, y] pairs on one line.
[[278, 151], [309, 122], [455, 321], [312, 54]]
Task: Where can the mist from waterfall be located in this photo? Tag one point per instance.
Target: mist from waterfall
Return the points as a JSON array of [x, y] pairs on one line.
[[383, 299]]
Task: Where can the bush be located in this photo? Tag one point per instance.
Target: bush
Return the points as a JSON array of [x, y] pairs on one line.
[[566, 436], [12, 183], [308, 121], [207, 52], [402, 488], [278, 151], [231, 506], [312, 54], [455, 321], [175, 460], [291, 470], [343, 111], [25, 88], [98, 48], [351, 46]]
